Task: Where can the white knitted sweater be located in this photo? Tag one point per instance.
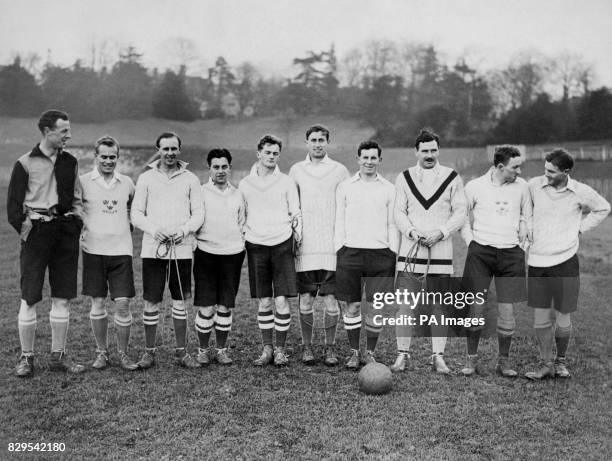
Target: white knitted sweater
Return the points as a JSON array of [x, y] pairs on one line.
[[317, 183]]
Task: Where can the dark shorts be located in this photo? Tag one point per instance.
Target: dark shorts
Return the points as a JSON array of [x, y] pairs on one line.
[[272, 270], [558, 285], [376, 265], [53, 244], [319, 281], [155, 274], [102, 273], [216, 278], [507, 265]]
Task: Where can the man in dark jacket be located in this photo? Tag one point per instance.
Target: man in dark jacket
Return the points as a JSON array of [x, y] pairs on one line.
[[44, 206]]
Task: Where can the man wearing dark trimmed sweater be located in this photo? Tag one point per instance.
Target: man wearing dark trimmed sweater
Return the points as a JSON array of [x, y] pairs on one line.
[[317, 178], [429, 207], [44, 206]]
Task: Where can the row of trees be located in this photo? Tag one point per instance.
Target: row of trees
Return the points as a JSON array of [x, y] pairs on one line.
[[394, 87]]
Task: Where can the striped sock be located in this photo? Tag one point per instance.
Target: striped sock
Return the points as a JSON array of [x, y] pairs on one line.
[[99, 326], [203, 326], [265, 320], [179, 319], [150, 319], [352, 325], [281, 325], [223, 325]]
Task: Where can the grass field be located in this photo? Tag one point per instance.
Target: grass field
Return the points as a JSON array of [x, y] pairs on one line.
[[241, 412]]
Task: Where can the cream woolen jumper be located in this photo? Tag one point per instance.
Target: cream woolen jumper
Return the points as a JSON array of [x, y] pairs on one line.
[[224, 214], [428, 212], [317, 183], [558, 219], [497, 210], [171, 203], [272, 204], [106, 214]]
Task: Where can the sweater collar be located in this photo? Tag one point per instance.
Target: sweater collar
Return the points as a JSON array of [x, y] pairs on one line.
[[356, 177], [253, 171], [324, 160], [182, 167]]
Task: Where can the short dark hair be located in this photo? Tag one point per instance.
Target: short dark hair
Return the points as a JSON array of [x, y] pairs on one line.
[[560, 158], [49, 118], [165, 135], [108, 141], [219, 153], [315, 128], [269, 139], [426, 135], [504, 153], [369, 144]]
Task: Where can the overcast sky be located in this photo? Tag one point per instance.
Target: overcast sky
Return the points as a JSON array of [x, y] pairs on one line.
[[270, 33]]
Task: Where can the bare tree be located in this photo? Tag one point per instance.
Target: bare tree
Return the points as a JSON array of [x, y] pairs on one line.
[[351, 68], [522, 80], [572, 73], [179, 51]]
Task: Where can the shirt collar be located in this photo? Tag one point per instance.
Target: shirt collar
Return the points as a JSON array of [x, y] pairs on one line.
[[572, 184], [37, 152], [211, 185], [182, 166], [356, 177], [95, 174], [325, 159]]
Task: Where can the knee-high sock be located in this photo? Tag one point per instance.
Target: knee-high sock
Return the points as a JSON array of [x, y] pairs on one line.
[[306, 322], [150, 319], [563, 332], [438, 344], [265, 320], [372, 333], [26, 322], [204, 325], [281, 326], [472, 337], [223, 325], [179, 319], [352, 325], [505, 328], [123, 326], [545, 342], [59, 318], [403, 333], [331, 326], [99, 326], [544, 332]]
